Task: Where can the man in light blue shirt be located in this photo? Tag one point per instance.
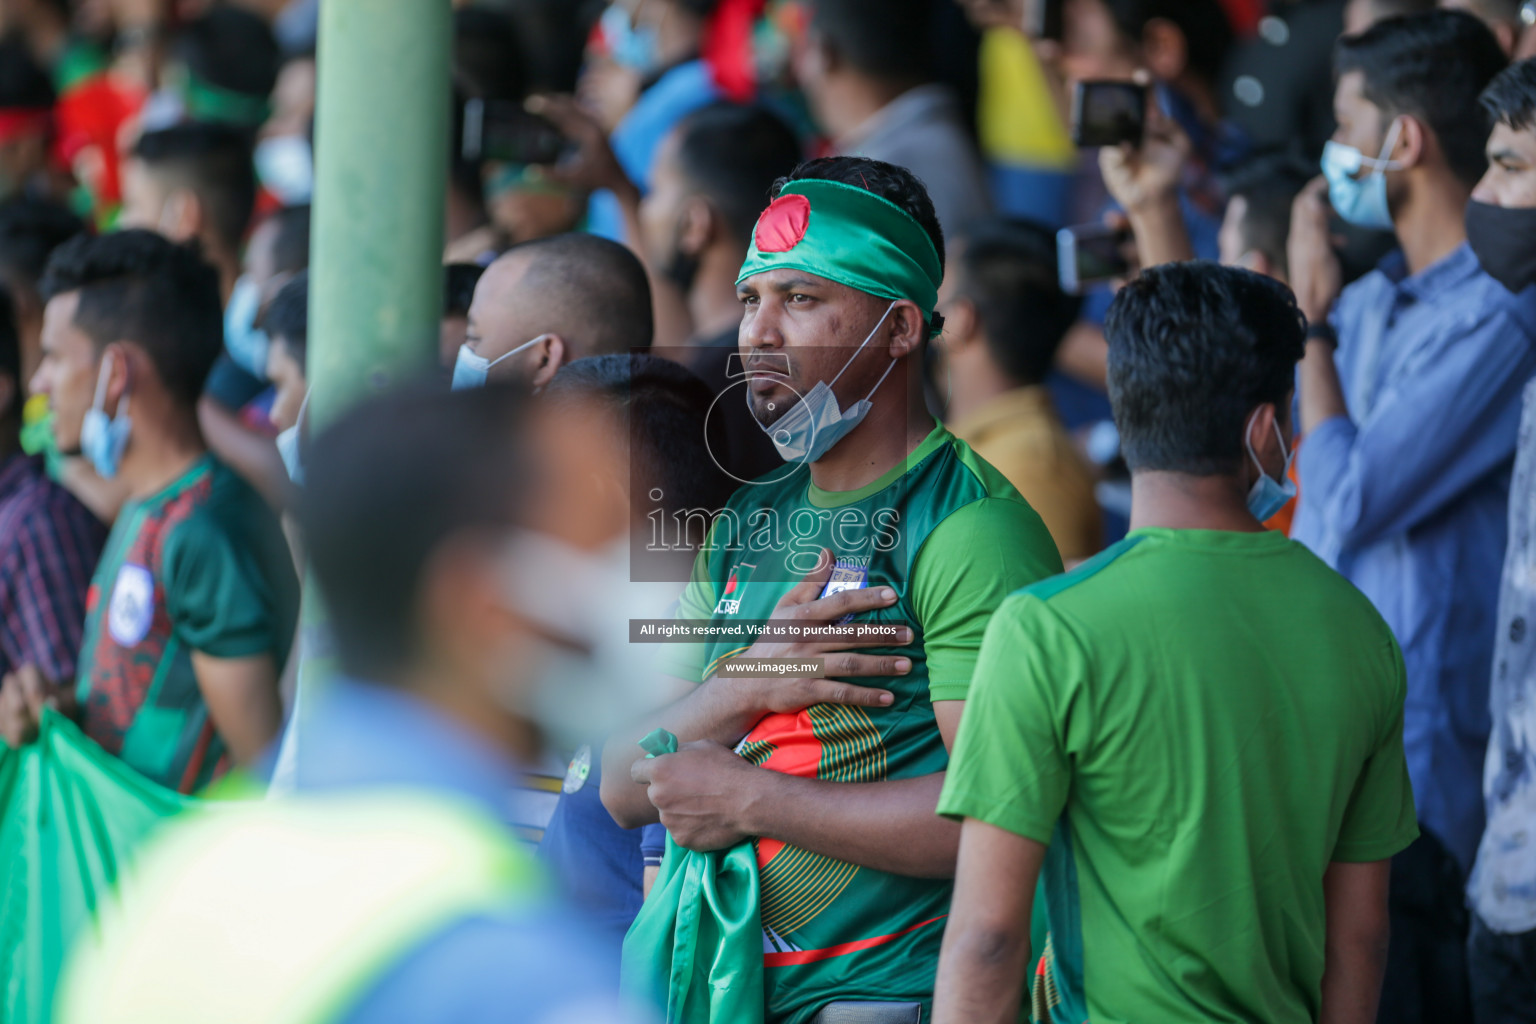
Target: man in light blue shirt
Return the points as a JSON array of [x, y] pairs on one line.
[[1501, 953], [1410, 398]]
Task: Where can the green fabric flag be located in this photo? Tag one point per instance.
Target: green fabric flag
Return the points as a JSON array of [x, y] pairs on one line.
[[70, 813], [696, 946]]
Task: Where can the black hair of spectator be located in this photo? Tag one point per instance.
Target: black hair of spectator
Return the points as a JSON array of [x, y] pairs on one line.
[[212, 160], [286, 318], [732, 153], [390, 483], [664, 408], [1008, 272], [230, 47], [290, 245], [24, 85], [595, 285], [1268, 185], [140, 287], [1194, 348], [888, 40], [459, 280], [1208, 35], [1510, 98], [30, 229], [1433, 67], [10, 366], [896, 184], [487, 55]]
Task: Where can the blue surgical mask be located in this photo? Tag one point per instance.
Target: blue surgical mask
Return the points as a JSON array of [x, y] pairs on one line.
[[632, 46], [1267, 495], [471, 369], [247, 345], [809, 430], [1361, 201], [103, 439], [285, 165]]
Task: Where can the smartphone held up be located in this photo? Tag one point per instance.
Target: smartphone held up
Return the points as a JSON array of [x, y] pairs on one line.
[[1108, 113]]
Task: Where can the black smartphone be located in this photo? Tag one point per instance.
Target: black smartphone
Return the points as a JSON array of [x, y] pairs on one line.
[[1088, 254], [1042, 19], [502, 130], [1108, 113]]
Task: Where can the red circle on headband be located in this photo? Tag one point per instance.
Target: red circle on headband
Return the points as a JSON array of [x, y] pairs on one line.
[[783, 224]]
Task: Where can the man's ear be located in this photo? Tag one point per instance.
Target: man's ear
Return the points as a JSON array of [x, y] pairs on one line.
[[906, 327], [1164, 50], [182, 217], [697, 225], [548, 356], [1413, 142]]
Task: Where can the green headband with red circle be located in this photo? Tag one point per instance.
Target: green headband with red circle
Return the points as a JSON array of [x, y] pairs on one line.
[[845, 234]]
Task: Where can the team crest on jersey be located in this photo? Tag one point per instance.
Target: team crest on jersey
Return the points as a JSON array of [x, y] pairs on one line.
[[730, 599], [578, 770], [133, 605]]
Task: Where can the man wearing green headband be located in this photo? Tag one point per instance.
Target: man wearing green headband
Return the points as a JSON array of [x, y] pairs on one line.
[[879, 516]]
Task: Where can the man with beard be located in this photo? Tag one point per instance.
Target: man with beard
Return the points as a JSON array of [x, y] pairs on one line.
[[881, 517]]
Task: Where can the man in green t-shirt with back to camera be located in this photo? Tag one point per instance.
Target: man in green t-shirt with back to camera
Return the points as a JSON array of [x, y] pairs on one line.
[[880, 515], [1194, 741], [191, 611]]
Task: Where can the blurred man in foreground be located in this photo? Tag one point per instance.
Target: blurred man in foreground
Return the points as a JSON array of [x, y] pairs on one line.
[[390, 888]]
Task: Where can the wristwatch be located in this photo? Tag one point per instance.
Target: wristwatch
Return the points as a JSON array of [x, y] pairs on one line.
[[1324, 333]]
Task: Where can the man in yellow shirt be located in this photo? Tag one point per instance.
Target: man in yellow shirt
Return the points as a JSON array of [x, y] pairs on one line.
[[1004, 317]]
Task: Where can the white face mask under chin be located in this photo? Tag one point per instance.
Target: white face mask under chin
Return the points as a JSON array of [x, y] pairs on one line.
[[816, 423]]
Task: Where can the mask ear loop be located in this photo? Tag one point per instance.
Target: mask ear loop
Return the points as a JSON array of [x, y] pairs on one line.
[[100, 400], [1382, 163], [856, 352], [526, 344]]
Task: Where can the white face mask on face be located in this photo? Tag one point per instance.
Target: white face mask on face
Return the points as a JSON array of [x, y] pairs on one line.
[[472, 370]]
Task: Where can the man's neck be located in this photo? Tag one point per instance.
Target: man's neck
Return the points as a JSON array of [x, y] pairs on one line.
[[712, 303], [889, 434], [1432, 224], [971, 388], [159, 452], [853, 99], [1182, 501]]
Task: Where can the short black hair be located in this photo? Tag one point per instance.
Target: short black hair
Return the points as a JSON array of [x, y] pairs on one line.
[[214, 162], [140, 287], [595, 287], [487, 55], [890, 40], [30, 229], [1510, 98], [888, 181], [1008, 272], [1269, 185], [732, 153], [24, 85], [459, 280], [290, 243], [1193, 348], [665, 407], [1433, 67], [232, 48], [1208, 35], [286, 318], [386, 486]]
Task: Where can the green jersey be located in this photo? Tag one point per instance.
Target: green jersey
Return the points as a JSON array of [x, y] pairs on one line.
[[952, 537], [199, 566], [1197, 723]]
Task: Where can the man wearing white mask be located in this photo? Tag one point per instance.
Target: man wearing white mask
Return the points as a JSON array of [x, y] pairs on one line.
[[880, 516], [550, 302], [390, 886], [191, 612], [1409, 395]]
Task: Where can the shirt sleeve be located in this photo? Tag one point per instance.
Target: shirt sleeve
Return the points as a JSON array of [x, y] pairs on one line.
[[653, 844], [968, 564], [1380, 820], [43, 580], [686, 660], [1023, 724], [217, 596], [1382, 476]]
